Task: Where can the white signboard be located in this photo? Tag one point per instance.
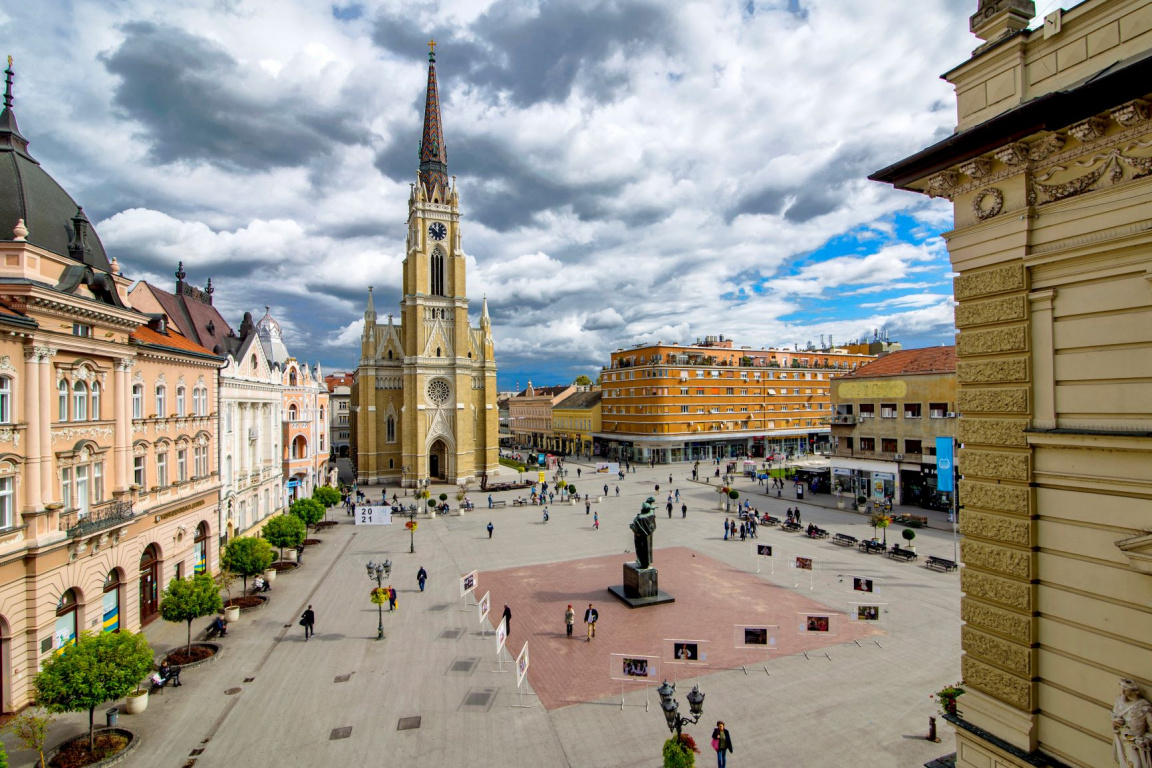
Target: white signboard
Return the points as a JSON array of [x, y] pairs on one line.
[[484, 604], [501, 635], [607, 468], [468, 583], [522, 665], [366, 515], [633, 666]]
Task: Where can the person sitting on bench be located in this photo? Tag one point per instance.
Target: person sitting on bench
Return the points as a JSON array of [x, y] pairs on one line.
[[260, 585], [167, 674], [218, 628]]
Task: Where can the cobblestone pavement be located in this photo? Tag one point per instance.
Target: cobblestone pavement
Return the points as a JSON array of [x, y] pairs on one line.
[[272, 699]]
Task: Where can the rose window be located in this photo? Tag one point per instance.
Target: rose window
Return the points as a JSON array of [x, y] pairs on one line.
[[438, 391]]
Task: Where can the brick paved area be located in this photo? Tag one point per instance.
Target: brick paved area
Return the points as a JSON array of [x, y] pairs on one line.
[[711, 598]]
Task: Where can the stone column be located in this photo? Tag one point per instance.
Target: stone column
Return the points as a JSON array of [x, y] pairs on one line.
[[48, 401], [32, 417], [123, 416]]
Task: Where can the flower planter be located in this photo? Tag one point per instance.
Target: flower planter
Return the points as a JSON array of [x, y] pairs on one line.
[[232, 613], [840, 505], [202, 653], [270, 575], [131, 739], [136, 702], [246, 603], [290, 556]]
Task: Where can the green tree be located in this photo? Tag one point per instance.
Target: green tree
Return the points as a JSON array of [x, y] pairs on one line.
[[247, 556], [308, 510], [30, 729], [326, 495], [284, 531], [188, 599], [582, 380], [97, 668]]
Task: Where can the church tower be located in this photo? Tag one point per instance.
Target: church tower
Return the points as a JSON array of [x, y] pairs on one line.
[[425, 397]]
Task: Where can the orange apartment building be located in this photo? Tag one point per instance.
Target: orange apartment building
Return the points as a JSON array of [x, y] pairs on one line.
[[709, 400]]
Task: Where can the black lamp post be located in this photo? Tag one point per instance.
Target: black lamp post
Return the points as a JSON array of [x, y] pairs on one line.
[[377, 572], [411, 515], [671, 707]]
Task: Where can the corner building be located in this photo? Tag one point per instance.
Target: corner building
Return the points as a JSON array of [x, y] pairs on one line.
[[1050, 175], [424, 399]]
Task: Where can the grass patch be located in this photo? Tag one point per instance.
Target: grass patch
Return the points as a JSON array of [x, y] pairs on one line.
[[512, 463]]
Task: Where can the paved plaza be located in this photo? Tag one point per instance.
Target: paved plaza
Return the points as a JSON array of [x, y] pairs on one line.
[[860, 698]]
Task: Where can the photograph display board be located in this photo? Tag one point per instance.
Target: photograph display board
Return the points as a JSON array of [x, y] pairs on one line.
[[871, 613], [366, 515], [761, 550], [468, 583], [818, 623], [484, 605], [633, 666], [501, 636], [864, 585], [521, 664], [686, 652], [607, 468], [802, 563], [761, 636]]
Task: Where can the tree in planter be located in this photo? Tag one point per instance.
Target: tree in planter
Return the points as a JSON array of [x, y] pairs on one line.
[[308, 510], [443, 497], [224, 580], [733, 495], [97, 668], [188, 599], [327, 496], [284, 531], [908, 535], [247, 556]]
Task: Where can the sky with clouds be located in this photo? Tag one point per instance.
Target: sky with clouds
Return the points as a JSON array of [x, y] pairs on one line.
[[629, 170]]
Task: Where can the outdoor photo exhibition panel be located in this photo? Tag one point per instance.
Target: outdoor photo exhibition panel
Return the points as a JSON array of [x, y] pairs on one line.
[[756, 636], [366, 515], [468, 584], [522, 665], [483, 606], [818, 623], [634, 668], [764, 552], [799, 564], [864, 587], [691, 652], [868, 613]]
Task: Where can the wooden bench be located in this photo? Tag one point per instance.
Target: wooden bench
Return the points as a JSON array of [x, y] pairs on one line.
[[940, 563], [845, 540], [769, 520], [519, 503], [870, 547], [819, 533], [897, 553], [499, 503], [792, 527]]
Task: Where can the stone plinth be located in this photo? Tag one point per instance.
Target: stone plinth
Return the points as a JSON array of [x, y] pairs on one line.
[[640, 587]]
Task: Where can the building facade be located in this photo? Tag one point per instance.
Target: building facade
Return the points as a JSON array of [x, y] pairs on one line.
[[1050, 177], [886, 417], [709, 400], [340, 407], [424, 403], [530, 416], [107, 488], [575, 419]]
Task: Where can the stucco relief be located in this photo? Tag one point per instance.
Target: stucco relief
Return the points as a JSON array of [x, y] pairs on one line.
[[1006, 529], [10, 435], [1014, 594], [988, 282], [75, 433], [1006, 432], [993, 400], [992, 371], [991, 557], [1013, 657], [987, 203], [986, 312], [1009, 466], [1002, 685], [1011, 339], [1003, 498]]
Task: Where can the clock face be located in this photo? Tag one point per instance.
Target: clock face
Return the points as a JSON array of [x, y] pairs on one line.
[[437, 231]]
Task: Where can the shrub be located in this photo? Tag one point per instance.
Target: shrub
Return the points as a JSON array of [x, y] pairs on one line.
[[680, 753], [733, 494], [188, 599], [285, 531], [30, 729], [443, 497], [326, 495], [908, 534], [247, 556], [308, 510]]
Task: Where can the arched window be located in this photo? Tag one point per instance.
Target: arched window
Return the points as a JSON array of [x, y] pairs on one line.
[[292, 378], [112, 601], [391, 429], [95, 401], [64, 633], [5, 400], [161, 401], [300, 448], [436, 275], [252, 363], [200, 549], [292, 413], [389, 354], [181, 394], [321, 414], [7, 502], [79, 401], [138, 401], [62, 389]]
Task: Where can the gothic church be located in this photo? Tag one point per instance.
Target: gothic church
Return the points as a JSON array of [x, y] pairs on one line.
[[424, 399]]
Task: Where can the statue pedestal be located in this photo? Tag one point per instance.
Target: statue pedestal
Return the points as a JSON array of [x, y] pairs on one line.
[[640, 588]]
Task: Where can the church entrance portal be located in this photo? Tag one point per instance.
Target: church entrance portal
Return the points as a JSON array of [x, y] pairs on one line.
[[438, 461]]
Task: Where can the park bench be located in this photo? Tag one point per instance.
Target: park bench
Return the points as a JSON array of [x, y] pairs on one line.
[[819, 533], [769, 520], [940, 563], [501, 503], [870, 547], [158, 683], [792, 527], [901, 554], [845, 540], [519, 503]]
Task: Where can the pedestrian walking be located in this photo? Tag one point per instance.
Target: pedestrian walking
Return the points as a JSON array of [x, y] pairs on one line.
[[605, 489], [677, 494], [669, 510], [507, 620], [797, 516], [577, 473], [725, 529], [683, 511], [743, 531], [617, 491], [421, 577], [722, 743], [669, 479], [587, 506], [596, 521], [590, 618], [489, 501], [391, 598], [569, 619], [489, 530], [545, 514], [308, 621]]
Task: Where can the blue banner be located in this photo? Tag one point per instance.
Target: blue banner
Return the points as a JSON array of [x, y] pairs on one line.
[[945, 465]]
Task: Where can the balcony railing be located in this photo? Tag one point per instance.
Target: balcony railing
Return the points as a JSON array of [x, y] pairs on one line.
[[844, 418], [107, 515]]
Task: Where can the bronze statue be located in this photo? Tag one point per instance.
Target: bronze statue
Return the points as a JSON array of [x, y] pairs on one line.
[[643, 531]]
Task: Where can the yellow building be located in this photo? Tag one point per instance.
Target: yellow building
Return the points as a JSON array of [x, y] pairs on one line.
[[672, 402], [424, 399], [530, 415], [1050, 177], [575, 419]]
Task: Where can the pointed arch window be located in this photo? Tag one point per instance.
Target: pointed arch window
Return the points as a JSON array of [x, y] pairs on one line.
[[391, 429], [437, 272]]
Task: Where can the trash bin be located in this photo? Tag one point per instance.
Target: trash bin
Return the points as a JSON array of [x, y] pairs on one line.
[[112, 714], [800, 492]]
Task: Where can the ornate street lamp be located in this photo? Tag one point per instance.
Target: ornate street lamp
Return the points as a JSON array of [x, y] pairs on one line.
[[671, 707], [377, 572]]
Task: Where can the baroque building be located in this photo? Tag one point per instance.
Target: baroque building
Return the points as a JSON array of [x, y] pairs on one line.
[[108, 480], [424, 397], [1050, 176]]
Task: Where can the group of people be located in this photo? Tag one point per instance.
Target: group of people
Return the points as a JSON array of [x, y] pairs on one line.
[[746, 529], [591, 616]]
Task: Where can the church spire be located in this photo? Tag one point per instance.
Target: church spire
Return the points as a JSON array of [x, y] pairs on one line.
[[370, 311], [485, 320], [433, 154], [10, 132]]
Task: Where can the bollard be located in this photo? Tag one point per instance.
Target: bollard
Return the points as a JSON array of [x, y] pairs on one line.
[[932, 729]]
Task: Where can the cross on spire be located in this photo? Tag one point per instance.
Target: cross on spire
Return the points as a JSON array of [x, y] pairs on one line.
[[431, 50]]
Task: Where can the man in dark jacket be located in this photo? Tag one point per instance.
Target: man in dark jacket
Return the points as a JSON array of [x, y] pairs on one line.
[[308, 620], [507, 619], [421, 577], [590, 618]]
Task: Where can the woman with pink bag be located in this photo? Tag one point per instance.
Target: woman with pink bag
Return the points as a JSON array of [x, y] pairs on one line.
[[722, 743]]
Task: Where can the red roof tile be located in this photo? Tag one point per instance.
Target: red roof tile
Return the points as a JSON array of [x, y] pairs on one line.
[[145, 335], [909, 361]]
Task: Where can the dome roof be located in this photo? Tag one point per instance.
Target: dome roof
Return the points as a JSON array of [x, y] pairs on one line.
[[268, 323], [27, 192]]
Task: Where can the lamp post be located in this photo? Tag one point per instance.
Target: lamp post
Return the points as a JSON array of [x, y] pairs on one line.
[[411, 515], [671, 707], [377, 572]]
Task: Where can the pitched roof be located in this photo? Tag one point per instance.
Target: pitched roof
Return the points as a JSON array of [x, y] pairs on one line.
[[909, 362], [170, 339], [580, 400], [544, 391], [196, 319]]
